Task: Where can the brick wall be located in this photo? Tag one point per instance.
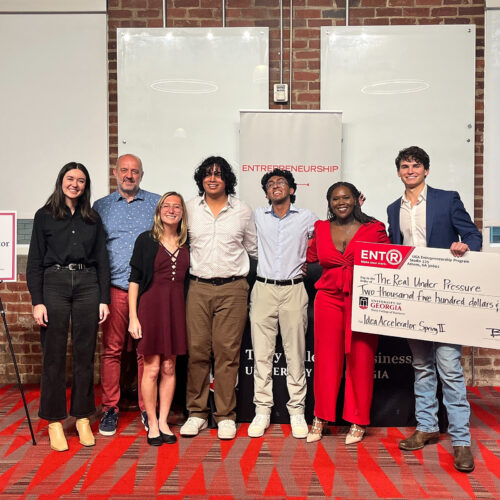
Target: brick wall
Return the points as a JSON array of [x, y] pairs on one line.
[[308, 17]]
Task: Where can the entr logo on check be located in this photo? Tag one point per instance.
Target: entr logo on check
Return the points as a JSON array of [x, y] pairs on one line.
[[392, 257]]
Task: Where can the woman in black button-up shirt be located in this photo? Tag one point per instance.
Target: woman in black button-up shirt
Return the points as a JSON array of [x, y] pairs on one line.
[[68, 278]]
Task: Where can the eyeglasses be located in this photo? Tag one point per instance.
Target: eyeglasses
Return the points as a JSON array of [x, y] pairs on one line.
[[280, 183]]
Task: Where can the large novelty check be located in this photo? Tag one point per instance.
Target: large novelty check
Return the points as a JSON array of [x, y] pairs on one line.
[[426, 293]]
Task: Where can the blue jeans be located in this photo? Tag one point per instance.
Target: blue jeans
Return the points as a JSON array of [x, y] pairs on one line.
[[427, 356]]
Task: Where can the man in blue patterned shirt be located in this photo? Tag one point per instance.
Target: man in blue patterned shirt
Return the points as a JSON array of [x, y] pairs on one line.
[[125, 214]]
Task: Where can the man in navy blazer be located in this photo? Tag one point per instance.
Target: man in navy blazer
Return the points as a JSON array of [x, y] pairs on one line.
[[430, 217]]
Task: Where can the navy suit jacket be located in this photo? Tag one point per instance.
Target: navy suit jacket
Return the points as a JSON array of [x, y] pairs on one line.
[[447, 221]]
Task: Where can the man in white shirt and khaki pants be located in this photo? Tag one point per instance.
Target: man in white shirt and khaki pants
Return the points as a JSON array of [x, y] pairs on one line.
[[222, 235], [279, 298]]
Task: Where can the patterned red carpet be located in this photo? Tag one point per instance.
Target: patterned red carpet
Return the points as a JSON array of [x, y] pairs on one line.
[[276, 466]]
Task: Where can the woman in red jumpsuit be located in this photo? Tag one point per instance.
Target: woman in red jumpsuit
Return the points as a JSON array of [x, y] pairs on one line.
[[333, 246]]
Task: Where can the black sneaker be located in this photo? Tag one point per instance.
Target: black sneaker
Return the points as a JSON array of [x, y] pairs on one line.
[[109, 422], [144, 420]]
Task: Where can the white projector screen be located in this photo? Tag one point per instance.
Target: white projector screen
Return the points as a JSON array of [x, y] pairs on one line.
[[401, 86], [54, 104], [491, 172], [179, 95]]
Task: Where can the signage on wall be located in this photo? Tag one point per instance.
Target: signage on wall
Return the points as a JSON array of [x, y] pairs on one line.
[[8, 261]]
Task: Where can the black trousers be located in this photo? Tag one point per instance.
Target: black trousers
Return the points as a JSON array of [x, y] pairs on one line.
[[69, 296]]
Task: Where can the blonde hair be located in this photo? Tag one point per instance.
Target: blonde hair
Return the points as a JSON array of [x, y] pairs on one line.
[[182, 228]]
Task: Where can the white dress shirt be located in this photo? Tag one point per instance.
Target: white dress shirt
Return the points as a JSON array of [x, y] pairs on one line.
[[283, 242], [412, 220], [219, 246]]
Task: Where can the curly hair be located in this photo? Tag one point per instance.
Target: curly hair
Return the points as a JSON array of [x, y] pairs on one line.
[[413, 153], [357, 213], [182, 227], [227, 174], [56, 203], [277, 172]]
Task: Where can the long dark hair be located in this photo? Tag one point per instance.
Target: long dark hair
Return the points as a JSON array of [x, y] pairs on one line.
[[357, 213], [56, 204]]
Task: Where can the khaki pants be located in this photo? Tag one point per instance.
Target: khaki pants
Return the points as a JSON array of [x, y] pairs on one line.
[[216, 317], [270, 304]]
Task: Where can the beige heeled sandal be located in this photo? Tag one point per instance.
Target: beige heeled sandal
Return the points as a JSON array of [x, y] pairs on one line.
[[85, 432], [316, 431], [57, 438], [355, 435]]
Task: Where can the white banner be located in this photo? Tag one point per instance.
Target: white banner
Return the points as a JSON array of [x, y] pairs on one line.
[[8, 232], [307, 143], [427, 294]]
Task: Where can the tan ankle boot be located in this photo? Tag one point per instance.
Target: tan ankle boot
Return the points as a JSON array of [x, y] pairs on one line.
[[57, 438], [85, 432]]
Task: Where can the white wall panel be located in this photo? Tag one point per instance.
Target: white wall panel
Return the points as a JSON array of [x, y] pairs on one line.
[[401, 86], [54, 104], [179, 96], [491, 177]]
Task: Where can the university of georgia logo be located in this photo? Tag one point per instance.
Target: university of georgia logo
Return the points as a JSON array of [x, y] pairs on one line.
[[363, 302]]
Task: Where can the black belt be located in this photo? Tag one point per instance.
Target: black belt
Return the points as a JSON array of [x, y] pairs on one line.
[[216, 281], [72, 267], [293, 281]]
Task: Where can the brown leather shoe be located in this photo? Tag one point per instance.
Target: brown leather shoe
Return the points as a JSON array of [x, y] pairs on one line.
[[418, 440], [464, 461]]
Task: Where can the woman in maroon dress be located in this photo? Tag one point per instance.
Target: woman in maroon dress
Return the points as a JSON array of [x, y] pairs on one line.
[[157, 310], [333, 246]]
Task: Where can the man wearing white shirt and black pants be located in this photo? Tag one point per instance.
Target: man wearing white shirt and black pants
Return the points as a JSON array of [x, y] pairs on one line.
[[221, 237], [279, 296]]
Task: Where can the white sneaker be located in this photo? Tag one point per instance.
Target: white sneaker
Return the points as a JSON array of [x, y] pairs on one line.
[[299, 426], [259, 425], [227, 429], [193, 426]]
